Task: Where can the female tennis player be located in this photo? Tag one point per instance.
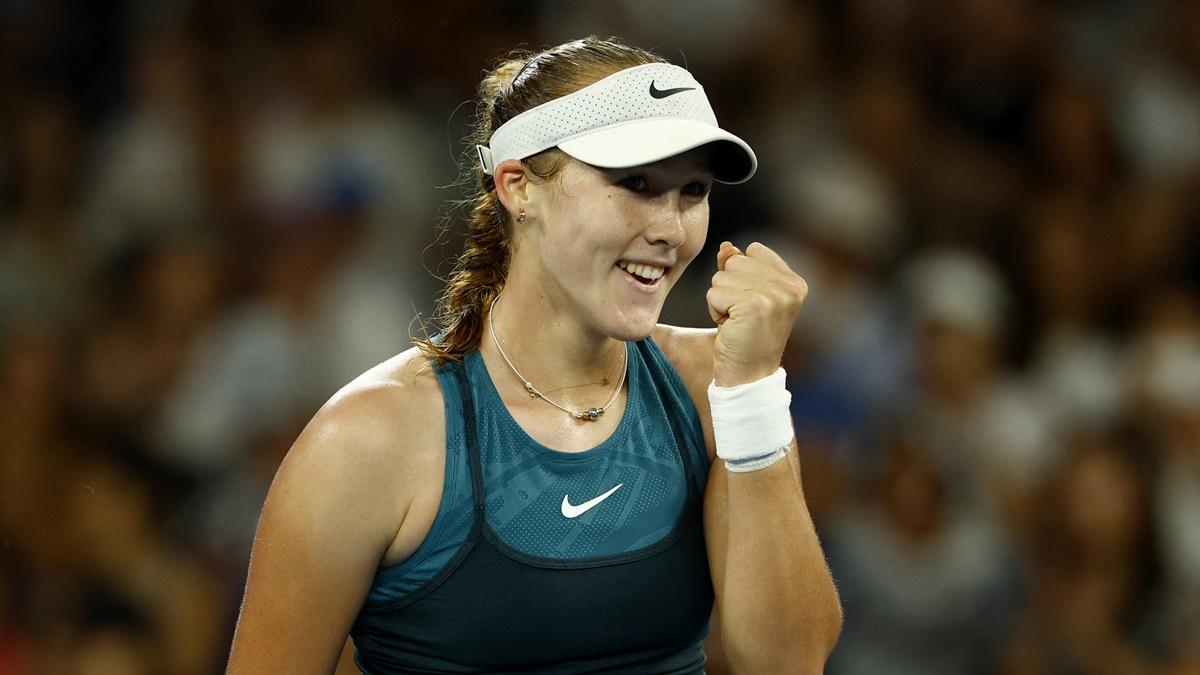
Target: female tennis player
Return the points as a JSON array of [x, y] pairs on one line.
[[555, 483]]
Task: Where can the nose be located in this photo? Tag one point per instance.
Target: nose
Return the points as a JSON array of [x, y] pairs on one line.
[[666, 221]]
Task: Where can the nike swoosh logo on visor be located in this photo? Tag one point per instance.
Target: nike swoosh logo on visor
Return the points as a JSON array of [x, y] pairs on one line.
[[663, 93], [575, 511]]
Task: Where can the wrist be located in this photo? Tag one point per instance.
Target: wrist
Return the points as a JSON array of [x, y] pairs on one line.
[[735, 376], [752, 422]]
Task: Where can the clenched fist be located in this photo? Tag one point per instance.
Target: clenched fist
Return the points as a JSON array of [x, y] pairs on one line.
[[754, 300]]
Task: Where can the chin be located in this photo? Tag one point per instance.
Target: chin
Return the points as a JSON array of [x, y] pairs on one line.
[[634, 329], [630, 321], [632, 336]]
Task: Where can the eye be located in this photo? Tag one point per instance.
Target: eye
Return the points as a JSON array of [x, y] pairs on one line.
[[696, 189], [636, 183]]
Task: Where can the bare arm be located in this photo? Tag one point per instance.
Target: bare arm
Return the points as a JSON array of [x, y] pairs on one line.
[[333, 509], [779, 611]]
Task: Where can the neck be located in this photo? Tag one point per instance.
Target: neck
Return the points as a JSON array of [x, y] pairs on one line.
[[551, 349]]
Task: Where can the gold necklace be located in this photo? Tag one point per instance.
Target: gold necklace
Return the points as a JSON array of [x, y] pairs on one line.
[[591, 414]]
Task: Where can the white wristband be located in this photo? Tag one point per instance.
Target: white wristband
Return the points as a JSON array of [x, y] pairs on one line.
[[752, 422]]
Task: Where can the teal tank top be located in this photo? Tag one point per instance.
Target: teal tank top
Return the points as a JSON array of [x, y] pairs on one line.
[[615, 529]]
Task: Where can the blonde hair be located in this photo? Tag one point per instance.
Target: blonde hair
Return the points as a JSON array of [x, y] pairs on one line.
[[519, 82]]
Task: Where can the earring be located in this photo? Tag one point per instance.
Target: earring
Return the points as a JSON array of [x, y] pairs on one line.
[[521, 216]]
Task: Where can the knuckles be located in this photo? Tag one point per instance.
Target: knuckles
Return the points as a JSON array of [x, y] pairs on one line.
[[798, 289], [765, 295], [791, 285], [766, 289], [757, 249]]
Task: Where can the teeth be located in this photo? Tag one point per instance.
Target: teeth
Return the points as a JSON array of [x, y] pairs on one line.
[[643, 271]]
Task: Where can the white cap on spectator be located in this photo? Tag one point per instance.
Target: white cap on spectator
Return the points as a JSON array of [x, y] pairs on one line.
[[958, 287], [844, 202]]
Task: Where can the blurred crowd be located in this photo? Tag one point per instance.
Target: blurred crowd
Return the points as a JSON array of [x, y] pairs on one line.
[[214, 213]]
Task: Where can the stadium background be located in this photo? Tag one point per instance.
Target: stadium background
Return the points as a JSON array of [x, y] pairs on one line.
[[214, 213]]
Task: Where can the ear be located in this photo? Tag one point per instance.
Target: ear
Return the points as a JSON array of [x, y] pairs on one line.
[[512, 185]]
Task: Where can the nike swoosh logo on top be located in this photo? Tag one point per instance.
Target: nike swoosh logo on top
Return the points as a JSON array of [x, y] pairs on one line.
[[575, 511], [663, 93]]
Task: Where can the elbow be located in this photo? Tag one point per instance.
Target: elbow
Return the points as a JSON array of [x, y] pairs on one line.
[[801, 655], [826, 626], [796, 645], [837, 619], [808, 656], [831, 631], [816, 652]]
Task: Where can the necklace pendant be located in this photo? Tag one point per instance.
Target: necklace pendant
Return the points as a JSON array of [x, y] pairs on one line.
[[591, 414]]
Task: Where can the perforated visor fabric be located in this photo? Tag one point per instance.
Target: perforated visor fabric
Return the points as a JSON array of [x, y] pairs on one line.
[[632, 117]]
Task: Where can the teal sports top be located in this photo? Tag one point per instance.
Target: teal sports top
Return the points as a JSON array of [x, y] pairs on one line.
[[541, 561]]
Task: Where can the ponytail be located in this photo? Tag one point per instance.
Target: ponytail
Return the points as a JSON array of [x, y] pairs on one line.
[[476, 280]]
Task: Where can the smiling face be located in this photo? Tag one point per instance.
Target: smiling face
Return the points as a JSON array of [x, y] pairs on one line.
[[606, 245]]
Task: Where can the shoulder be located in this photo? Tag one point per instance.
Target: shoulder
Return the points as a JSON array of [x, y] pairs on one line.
[[401, 394], [389, 415], [338, 504], [374, 444]]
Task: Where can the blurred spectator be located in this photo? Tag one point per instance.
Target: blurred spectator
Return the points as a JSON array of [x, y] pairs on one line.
[[1158, 98], [1074, 150], [153, 142], [888, 123], [983, 423], [1093, 598], [44, 261], [1164, 385], [1068, 262], [34, 452], [317, 135], [160, 300], [315, 320], [122, 547], [925, 585]]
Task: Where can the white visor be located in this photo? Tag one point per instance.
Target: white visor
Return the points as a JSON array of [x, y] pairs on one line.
[[635, 116]]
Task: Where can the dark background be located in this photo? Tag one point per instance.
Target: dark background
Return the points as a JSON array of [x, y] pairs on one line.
[[213, 214]]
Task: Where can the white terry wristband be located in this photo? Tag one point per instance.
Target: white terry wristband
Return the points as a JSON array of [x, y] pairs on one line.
[[752, 422]]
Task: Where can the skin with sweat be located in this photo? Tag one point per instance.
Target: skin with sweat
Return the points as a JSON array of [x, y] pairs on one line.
[[565, 279], [361, 485]]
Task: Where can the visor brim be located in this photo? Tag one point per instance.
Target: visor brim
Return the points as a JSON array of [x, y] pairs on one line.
[[646, 141]]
